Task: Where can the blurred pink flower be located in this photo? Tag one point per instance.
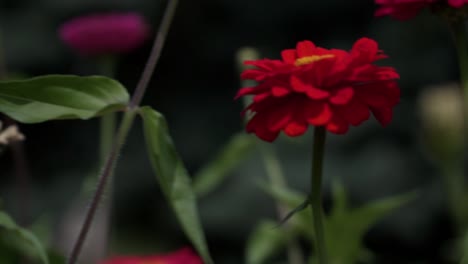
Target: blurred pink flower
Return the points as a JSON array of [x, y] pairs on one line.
[[104, 33], [406, 9], [182, 256]]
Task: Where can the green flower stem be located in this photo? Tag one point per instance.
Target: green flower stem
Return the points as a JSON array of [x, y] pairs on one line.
[[316, 194], [124, 128]]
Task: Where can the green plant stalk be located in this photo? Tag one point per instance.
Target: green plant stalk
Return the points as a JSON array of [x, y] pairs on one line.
[[316, 194], [125, 127], [457, 187]]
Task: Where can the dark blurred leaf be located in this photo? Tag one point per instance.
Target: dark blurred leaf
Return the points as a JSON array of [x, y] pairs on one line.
[[464, 259], [60, 97], [21, 239], [173, 178], [264, 242], [236, 150]]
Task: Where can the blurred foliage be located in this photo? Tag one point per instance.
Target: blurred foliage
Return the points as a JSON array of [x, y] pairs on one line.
[[173, 178], [212, 175], [20, 239], [345, 227]]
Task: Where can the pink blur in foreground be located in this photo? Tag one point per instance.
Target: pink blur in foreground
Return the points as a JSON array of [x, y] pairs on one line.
[[181, 256]]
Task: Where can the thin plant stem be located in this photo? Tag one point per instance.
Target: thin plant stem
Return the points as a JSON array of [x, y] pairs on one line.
[[155, 53], [316, 193], [124, 128], [107, 171]]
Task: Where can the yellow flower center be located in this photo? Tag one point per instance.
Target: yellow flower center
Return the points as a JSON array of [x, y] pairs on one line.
[[312, 59]]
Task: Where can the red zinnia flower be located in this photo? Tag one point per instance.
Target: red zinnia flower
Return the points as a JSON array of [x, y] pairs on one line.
[[182, 256], [406, 9], [320, 87], [103, 34]]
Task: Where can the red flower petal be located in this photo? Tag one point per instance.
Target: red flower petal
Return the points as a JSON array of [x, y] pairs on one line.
[[279, 91], [279, 118], [314, 93], [245, 91], [337, 125], [364, 51], [317, 113], [289, 56], [305, 48], [295, 129], [355, 112], [252, 74], [257, 125], [342, 96], [379, 94], [383, 115]]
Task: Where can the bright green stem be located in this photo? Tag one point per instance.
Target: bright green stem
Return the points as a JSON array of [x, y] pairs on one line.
[[316, 194], [106, 173]]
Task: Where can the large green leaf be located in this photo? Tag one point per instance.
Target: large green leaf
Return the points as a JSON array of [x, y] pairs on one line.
[[60, 97], [264, 242], [211, 175], [173, 178], [21, 238]]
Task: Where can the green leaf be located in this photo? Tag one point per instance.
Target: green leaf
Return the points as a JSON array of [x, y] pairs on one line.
[[60, 97], [236, 150], [464, 259], [345, 227], [173, 178], [21, 238], [264, 242]]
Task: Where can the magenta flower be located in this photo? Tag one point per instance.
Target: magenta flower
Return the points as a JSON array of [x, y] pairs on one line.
[[406, 9], [104, 34]]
